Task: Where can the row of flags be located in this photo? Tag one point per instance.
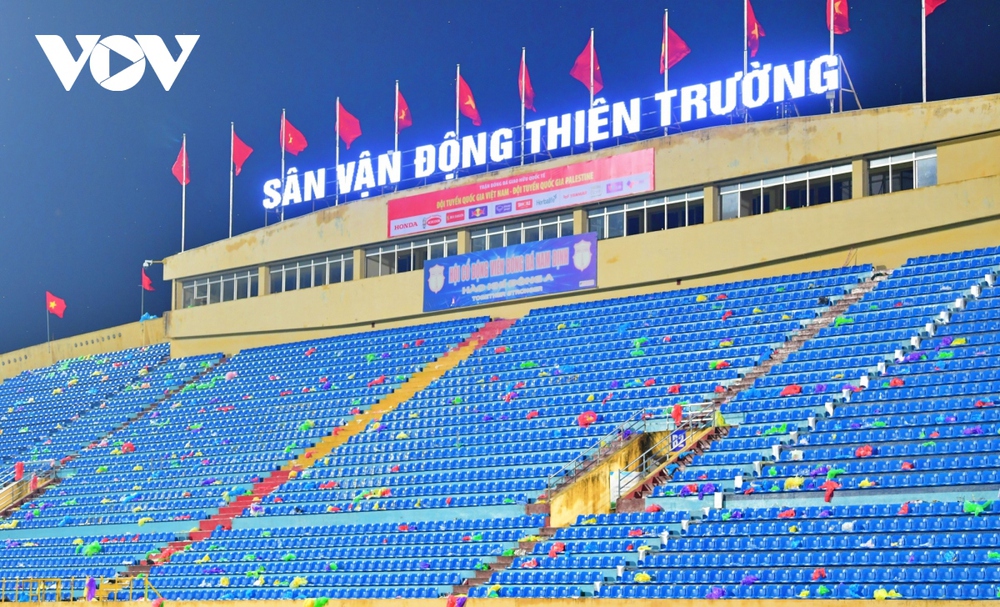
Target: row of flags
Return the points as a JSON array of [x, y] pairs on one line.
[[838, 10], [349, 127], [586, 69]]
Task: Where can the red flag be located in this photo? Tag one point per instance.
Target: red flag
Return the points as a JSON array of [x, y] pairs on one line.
[[403, 118], [467, 103], [581, 69], [348, 125], [181, 169], [54, 304], [931, 5], [147, 284], [678, 49], [524, 88], [754, 31], [840, 21], [241, 152], [294, 141]]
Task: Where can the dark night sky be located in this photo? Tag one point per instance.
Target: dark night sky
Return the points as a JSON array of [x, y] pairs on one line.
[[89, 193]]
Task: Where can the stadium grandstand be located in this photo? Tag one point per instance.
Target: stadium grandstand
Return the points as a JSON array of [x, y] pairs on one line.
[[774, 376]]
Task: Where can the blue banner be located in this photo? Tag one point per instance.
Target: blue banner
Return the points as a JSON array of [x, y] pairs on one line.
[[532, 269], [678, 439]]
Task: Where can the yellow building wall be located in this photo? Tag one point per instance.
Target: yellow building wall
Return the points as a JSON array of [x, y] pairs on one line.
[[132, 335], [734, 152], [969, 158], [883, 230], [591, 493]]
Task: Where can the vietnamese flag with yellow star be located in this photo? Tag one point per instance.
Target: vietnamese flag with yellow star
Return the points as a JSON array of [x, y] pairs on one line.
[[841, 24], [403, 118], [293, 141], [467, 103], [754, 31], [54, 305]]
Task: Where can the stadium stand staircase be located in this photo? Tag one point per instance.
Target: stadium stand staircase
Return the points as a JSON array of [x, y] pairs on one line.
[[502, 563], [146, 409], [699, 421], [18, 493], [709, 430], [656, 464], [267, 484], [794, 343], [405, 392]]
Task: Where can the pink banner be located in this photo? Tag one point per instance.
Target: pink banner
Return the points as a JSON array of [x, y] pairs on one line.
[[572, 185]]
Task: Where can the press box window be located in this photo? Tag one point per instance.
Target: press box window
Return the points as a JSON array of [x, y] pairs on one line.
[[808, 188], [531, 230], [315, 272], [221, 287], [399, 257], [902, 172], [652, 215]]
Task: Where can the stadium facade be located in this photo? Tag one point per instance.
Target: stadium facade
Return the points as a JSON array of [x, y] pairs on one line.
[[902, 181]]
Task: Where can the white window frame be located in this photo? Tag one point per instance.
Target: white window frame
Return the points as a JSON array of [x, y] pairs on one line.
[[291, 273], [733, 192], [206, 290], [918, 159], [482, 237], [435, 247], [608, 213]]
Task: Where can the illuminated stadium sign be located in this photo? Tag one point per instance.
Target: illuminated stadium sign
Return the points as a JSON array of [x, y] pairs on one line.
[[762, 85]]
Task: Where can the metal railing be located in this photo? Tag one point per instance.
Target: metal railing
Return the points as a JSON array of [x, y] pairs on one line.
[[623, 432], [15, 491], [41, 590], [696, 417], [39, 467]]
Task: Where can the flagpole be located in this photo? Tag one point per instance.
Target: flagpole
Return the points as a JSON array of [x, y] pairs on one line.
[[923, 49], [591, 76], [524, 68], [395, 145], [283, 160], [142, 300], [458, 78], [48, 333], [232, 143], [833, 4], [745, 41], [666, 63], [336, 157], [746, 57], [184, 173]]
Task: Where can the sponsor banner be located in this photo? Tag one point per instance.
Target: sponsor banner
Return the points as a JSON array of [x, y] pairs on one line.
[[525, 270], [567, 186]]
